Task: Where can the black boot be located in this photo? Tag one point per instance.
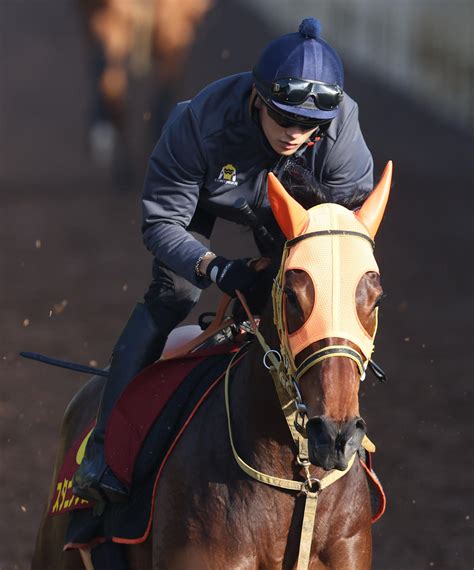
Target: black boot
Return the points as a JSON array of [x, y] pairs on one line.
[[140, 344]]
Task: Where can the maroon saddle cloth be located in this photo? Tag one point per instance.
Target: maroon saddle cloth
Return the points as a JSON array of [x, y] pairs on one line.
[[143, 429]]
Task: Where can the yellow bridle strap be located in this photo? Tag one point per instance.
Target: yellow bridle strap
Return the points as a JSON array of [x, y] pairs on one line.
[[284, 390], [269, 479], [283, 385], [329, 352], [303, 487]]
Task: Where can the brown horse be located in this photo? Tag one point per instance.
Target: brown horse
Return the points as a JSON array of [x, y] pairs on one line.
[[134, 38], [211, 514]]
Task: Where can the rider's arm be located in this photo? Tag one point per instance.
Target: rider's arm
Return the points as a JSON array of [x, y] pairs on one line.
[[173, 180], [348, 164]]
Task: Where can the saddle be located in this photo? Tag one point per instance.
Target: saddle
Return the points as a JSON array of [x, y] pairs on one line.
[[145, 425], [142, 432]]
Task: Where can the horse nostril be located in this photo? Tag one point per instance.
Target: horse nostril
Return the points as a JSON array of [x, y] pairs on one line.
[[361, 425], [317, 421], [322, 433]]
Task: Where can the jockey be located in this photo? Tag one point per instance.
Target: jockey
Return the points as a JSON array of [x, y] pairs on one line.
[[216, 149]]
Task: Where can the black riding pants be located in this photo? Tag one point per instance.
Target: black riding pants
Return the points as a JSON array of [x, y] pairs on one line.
[[170, 298]]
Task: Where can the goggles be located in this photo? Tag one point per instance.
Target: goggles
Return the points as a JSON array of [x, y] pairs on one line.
[[292, 91], [287, 121]]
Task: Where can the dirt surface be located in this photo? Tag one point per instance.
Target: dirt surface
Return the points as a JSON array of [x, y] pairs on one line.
[[72, 266]]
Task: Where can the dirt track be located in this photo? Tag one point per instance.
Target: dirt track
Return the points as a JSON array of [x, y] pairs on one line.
[[72, 266]]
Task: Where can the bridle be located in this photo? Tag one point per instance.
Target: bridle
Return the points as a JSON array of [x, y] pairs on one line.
[[286, 376], [294, 220]]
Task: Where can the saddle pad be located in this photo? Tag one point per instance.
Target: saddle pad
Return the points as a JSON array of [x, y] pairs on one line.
[[141, 404], [130, 522], [136, 411]]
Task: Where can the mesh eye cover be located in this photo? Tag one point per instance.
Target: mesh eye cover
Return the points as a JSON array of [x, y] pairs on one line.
[[335, 264]]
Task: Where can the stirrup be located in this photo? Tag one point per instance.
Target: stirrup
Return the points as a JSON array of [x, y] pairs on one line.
[[107, 489]]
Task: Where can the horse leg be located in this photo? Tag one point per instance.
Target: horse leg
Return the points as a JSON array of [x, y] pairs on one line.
[[106, 104], [111, 32]]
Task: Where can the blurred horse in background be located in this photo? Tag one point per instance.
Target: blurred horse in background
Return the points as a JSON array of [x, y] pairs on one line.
[[134, 38]]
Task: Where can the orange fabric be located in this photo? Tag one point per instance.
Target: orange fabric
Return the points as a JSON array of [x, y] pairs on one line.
[[290, 215], [335, 264], [372, 210]]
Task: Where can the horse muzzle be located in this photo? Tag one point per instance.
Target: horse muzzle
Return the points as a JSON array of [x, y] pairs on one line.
[[331, 444]]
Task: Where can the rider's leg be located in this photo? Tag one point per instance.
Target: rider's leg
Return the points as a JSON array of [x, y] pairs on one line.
[[168, 301]]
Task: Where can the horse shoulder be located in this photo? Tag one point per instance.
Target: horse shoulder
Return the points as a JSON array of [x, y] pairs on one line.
[[190, 504]]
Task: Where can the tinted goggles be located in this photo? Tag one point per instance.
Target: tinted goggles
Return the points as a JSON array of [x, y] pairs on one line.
[[288, 121], [291, 91]]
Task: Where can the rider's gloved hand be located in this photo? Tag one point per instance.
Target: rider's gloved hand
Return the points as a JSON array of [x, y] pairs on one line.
[[231, 274]]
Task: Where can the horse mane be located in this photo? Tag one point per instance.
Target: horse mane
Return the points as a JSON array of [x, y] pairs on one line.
[[301, 184]]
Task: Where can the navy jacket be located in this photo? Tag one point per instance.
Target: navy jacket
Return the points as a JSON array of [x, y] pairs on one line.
[[212, 151]]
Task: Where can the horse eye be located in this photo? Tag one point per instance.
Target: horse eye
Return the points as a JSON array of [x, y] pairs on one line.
[[291, 296]]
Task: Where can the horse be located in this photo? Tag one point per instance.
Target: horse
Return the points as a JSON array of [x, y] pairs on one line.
[[267, 475], [134, 39]]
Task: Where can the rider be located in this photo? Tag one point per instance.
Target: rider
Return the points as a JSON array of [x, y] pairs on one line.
[[213, 150]]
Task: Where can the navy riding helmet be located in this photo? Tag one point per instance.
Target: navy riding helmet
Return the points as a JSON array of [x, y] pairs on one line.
[[300, 74]]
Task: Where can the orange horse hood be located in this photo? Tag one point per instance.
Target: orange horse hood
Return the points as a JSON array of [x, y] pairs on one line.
[[336, 257], [335, 262]]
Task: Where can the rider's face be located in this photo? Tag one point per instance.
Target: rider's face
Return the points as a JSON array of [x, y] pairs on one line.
[[284, 140]]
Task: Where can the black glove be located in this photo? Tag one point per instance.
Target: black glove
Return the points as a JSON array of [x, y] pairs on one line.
[[230, 275]]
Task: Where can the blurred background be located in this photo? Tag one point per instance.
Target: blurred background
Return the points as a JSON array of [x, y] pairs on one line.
[[85, 86]]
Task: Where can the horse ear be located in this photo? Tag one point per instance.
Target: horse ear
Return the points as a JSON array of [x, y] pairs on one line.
[[372, 210], [291, 216]]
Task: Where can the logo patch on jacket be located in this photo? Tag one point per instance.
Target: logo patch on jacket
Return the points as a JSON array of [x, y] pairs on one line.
[[228, 175]]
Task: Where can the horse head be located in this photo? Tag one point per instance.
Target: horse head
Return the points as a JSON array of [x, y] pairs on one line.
[[325, 304]]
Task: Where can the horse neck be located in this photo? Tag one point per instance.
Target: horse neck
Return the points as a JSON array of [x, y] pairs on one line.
[[257, 419]]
